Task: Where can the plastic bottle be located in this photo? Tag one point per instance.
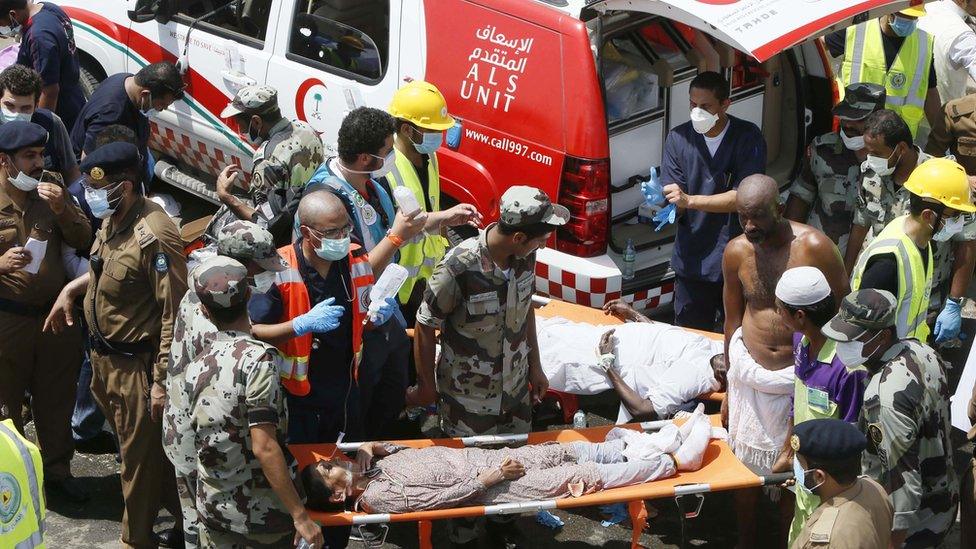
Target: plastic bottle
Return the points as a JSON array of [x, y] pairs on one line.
[[406, 200], [579, 420], [388, 285], [630, 256]]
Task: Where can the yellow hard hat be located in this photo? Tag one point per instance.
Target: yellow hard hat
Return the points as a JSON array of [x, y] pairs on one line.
[[942, 180], [422, 104], [914, 11]]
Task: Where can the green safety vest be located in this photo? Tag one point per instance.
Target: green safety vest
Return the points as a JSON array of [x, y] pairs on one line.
[[914, 281], [906, 82], [22, 504], [420, 254]]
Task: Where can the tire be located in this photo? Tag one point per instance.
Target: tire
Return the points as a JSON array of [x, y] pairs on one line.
[[88, 82]]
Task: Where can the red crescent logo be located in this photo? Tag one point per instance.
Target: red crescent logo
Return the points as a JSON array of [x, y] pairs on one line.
[[300, 96]]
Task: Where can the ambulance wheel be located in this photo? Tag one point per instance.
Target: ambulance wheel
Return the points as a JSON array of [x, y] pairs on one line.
[[88, 82]]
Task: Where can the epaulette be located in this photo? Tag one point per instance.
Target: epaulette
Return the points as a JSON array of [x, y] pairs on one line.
[[820, 530], [961, 107], [144, 233]]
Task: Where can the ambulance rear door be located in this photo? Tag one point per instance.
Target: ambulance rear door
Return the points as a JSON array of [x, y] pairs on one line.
[[332, 56], [222, 45]]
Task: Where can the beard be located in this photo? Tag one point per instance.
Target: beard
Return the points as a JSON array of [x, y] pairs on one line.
[[756, 236]]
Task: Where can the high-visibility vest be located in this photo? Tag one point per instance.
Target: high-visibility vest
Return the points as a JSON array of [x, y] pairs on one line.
[[420, 254], [22, 505], [296, 302], [914, 279], [906, 82]]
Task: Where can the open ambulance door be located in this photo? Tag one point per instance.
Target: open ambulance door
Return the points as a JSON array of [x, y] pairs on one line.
[[761, 28]]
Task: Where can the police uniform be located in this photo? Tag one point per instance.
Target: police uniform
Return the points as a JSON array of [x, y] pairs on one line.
[[958, 136], [860, 515], [138, 275], [192, 332], [282, 164], [906, 420], [233, 386], [30, 359]]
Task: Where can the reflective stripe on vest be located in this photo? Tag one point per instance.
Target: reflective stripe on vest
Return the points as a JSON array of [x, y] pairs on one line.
[[914, 281], [296, 302], [33, 485], [906, 82], [420, 254]]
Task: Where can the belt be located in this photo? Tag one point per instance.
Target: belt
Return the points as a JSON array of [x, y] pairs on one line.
[[106, 347], [22, 309]]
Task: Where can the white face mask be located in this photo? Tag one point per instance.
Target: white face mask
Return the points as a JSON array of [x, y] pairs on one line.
[[388, 163], [149, 111], [851, 353], [24, 182], [950, 227], [702, 120], [11, 116], [11, 30], [879, 165], [852, 143]]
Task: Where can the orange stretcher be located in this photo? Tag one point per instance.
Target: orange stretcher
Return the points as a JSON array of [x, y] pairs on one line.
[[720, 470]]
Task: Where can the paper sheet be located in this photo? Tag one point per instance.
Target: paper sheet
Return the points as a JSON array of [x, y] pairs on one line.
[[959, 403], [37, 249]]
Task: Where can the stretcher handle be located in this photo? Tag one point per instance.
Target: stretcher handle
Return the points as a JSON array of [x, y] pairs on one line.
[[775, 479]]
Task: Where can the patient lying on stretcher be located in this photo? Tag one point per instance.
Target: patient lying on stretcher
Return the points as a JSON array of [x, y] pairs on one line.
[[654, 367], [401, 480]]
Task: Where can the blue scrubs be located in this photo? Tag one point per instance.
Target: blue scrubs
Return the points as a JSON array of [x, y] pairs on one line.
[[701, 237], [48, 46], [109, 105]]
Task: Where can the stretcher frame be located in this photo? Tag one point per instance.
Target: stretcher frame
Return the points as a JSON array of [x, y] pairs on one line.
[[720, 471]]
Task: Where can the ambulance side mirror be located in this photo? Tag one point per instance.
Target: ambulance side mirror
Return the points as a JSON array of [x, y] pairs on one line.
[[148, 10]]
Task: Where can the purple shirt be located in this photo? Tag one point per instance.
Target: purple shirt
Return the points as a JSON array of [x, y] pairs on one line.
[[844, 387]]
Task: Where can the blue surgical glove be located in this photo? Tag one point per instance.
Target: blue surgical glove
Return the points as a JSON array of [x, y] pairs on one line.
[[949, 321], [323, 317], [385, 312], [652, 191], [665, 216]]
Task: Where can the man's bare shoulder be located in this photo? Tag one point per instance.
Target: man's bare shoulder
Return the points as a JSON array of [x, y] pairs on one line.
[[809, 238], [738, 247]]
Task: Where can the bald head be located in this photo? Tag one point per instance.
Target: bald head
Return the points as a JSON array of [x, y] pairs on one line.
[[320, 208], [757, 202], [757, 190]]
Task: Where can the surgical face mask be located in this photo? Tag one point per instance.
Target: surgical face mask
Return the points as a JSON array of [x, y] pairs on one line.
[[24, 182], [389, 161], [902, 26], [800, 475], [263, 282], [11, 116], [149, 111], [851, 353], [431, 141], [251, 137], [950, 227], [11, 30], [852, 143], [702, 120], [98, 201], [333, 249], [880, 164]]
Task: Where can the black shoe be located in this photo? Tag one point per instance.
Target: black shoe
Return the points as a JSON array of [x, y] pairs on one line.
[[172, 538], [102, 443], [507, 536], [67, 488]]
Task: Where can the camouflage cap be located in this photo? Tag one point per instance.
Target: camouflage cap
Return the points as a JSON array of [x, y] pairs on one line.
[[860, 100], [247, 241], [252, 100], [220, 282], [522, 205], [860, 312]]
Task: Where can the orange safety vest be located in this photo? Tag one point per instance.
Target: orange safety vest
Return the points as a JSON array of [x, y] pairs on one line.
[[295, 300]]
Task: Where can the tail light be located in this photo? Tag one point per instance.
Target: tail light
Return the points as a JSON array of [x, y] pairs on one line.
[[585, 191]]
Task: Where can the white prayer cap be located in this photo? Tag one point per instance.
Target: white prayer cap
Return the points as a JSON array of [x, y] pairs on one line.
[[802, 286]]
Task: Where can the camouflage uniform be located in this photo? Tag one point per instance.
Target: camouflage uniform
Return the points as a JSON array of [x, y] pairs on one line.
[[828, 182], [878, 202], [192, 331], [232, 386], [482, 312]]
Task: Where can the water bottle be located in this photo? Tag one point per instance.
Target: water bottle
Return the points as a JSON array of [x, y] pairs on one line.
[[630, 256], [388, 285], [406, 200], [579, 420]]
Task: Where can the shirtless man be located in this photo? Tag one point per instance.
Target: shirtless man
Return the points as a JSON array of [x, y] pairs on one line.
[[758, 346]]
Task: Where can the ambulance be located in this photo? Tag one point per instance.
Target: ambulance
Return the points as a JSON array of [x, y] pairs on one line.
[[573, 96]]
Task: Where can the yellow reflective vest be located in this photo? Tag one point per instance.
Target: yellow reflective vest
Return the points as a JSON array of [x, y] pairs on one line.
[[22, 506], [914, 279], [906, 82], [420, 254]]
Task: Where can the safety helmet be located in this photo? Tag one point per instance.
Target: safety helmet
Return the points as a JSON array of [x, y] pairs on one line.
[[942, 180], [422, 104], [914, 11]]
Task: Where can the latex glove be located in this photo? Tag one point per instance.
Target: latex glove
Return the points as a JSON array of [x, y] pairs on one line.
[[385, 312], [652, 191], [949, 321], [665, 216], [323, 317]]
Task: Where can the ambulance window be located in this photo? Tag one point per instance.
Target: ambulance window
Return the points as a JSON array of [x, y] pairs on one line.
[[347, 37], [246, 20], [668, 41], [629, 78]]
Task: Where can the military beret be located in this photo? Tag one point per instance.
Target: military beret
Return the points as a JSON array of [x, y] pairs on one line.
[[17, 135], [220, 282], [110, 158], [248, 241], [522, 205], [860, 312], [827, 439]]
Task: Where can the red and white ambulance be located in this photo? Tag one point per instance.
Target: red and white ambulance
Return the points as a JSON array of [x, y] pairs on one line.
[[573, 96]]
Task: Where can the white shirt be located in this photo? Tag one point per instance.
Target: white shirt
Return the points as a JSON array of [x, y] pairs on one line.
[[961, 49], [713, 142]]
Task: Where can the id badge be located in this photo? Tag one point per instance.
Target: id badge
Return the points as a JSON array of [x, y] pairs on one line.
[[818, 399]]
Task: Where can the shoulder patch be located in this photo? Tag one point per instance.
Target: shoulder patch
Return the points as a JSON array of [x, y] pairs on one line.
[[144, 233], [820, 530], [161, 263], [961, 106]]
